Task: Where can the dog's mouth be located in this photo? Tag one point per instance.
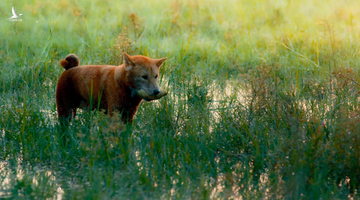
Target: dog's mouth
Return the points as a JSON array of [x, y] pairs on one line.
[[146, 96]]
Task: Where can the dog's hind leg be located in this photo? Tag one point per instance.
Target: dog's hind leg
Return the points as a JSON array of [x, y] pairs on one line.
[[74, 112], [64, 115]]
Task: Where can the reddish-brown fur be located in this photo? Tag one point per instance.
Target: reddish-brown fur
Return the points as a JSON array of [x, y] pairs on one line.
[[104, 86]]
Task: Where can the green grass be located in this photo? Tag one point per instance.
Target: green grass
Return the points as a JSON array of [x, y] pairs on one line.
[[263, 101]]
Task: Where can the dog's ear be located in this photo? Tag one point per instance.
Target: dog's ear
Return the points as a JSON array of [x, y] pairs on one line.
[[159, 62], [128, 62]]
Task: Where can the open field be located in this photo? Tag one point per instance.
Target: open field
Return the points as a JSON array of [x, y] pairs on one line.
[[263, 100]]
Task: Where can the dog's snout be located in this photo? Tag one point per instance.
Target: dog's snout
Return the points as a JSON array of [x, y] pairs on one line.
[[156, 92]]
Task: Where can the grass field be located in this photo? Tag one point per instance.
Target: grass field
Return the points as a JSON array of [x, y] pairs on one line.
[[263, 100]]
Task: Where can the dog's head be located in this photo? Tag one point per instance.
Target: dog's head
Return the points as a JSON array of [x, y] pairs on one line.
[[142, 74]]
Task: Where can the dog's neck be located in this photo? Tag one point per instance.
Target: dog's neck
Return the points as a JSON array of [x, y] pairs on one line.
[[120, 79], [120, 74]]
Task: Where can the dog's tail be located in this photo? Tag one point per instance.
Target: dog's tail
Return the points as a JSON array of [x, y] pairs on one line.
[[70, 61]]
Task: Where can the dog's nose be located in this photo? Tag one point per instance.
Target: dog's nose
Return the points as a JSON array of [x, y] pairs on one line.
[[156, 92]]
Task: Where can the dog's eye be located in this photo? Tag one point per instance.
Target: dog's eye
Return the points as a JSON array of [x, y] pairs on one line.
[[156, 76], [145, 77]]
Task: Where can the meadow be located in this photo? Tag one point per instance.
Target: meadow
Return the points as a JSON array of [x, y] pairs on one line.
[[263, 100]]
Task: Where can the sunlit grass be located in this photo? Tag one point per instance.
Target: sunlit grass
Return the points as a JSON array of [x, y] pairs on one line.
[[263, 101]]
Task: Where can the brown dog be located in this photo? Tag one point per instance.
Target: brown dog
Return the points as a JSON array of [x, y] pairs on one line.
[[107, 87]]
